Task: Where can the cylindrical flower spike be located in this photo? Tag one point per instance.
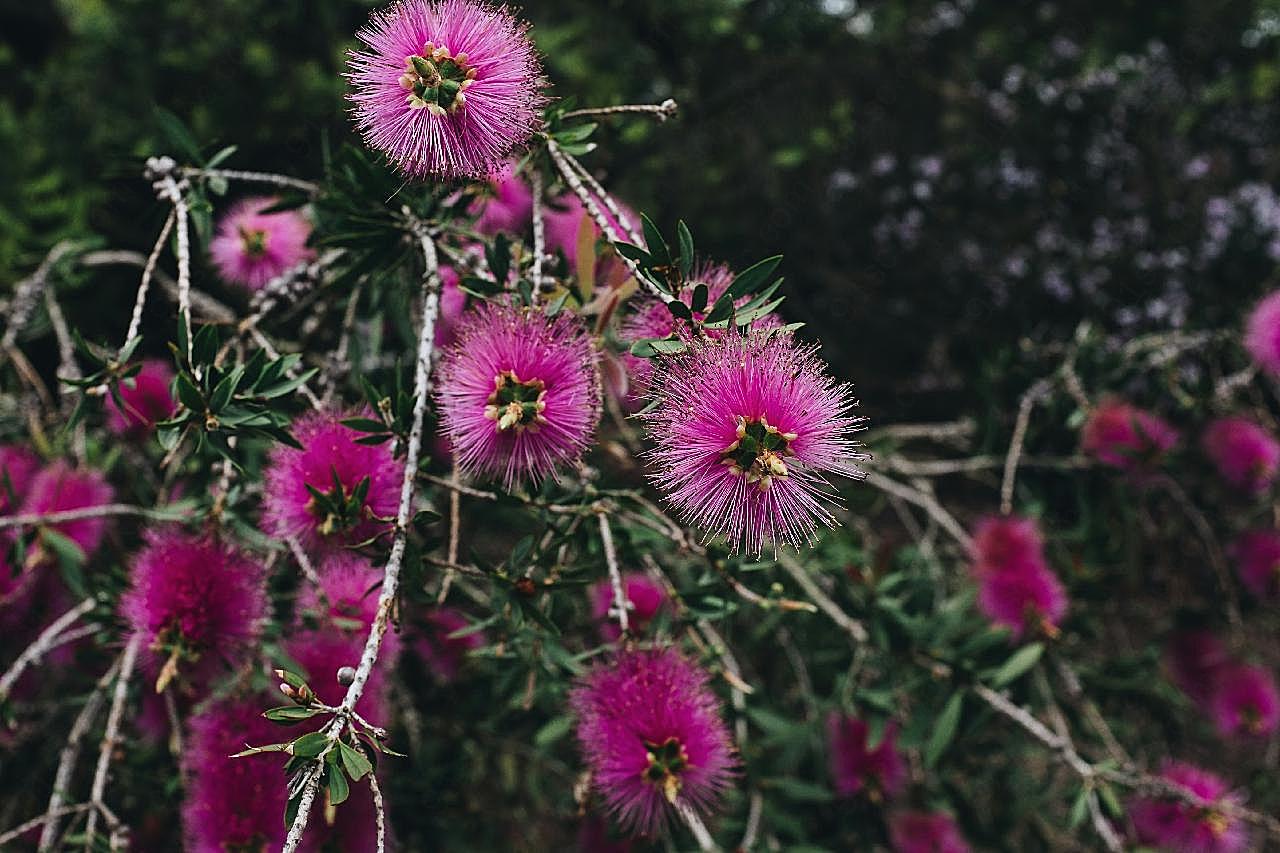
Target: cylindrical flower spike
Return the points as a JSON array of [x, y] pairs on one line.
[[196, 603], [446, 88], [1123, 436], [855, 767], [334, 491], [519, 394], [1177, 827], [251, 247], [651, 732], [745, 431], [1246, 455]]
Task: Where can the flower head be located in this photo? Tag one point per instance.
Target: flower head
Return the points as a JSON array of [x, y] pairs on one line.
[[1181, 827], [1026, 596], [146, 400], [18, 466], [446, 88], [1193, 659], [1005, 542], [519, 394], [231, 803], [1245, 454], [508, 207], [1257, 558], [1244, 701], [925, 832], [251, 247], [443, 654], [61, 488], [332, 627], [645, 595], [745, 431], [650, 730], [1123, 436], [334, 490], [1262, 334], [856, 767], [196, 603], [655, 320]]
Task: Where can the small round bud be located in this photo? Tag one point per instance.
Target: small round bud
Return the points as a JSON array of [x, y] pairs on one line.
[[525, 587], [346, 675]]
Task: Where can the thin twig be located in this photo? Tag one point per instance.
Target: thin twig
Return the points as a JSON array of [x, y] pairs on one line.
[[114, 716], [661, 112], [23, 828], [47, 640], [148, 269], [252, 177], [105, 510], [620, 601], [1034, 394], [925, 502], [853, 627]]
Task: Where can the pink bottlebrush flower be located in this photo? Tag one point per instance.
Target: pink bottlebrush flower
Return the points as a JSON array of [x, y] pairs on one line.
[[881, 771], [339, 633], [61, 488], [925, 832], [1244, 701], [509, 207], [1262, 334], [518, 394], [18, 466], [1257, 557], [232, 803], [1193, 659], [442, 654], [645, 594], [251, 248], [1005, 542], [1025, 597], [197, 604], [446, 88], [1245, 454], [453, 303], [146, 402], [650, 730], [745, 431], [569, 225], [654, 320], [334, 464], [1123, 436], [1181, 827]]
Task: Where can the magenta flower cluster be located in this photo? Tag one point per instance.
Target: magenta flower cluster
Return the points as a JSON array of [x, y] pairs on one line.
[[1241, 699], [1017, 589], [1203, 826], [857, 767], [254, 246]]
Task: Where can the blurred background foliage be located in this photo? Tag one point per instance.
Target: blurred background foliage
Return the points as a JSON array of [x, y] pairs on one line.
[[946, 179]]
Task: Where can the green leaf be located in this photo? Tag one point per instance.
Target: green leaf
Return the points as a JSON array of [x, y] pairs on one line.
[[748, 281], [799, 791], [354, 761], [177, 135], [70, 556], [553, 731], [339, 790], [310, 745], [686, 253], [653, 239], [189, 394], [944, 729], [257, 750], [679, 310], [289, 714], [1021, 661]]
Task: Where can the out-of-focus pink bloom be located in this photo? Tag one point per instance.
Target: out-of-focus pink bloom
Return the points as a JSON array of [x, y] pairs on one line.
[[1005, 542], [650, 730], [147, 402], [1257, 558], [645, 595], [510, 206], [856, 767], [61, 488], [446, 88], [442, 654], [232, 803], [333, 463], [1180, 827], [196, 603], [1262, 334], [594, 837], [569, 225], [251, 247], [1024, 597], [1244, 701], [453, 303], [18, 466], [925, 832], [519, 394], [745, 432], [1123, 436], [1246, 455], [1193, 659]]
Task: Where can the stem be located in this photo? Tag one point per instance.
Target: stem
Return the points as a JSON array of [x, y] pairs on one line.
[[539, 227], [661, 112], [1034, 395], [391, 574], [620, 603], [47, 640], [114, 717], [797, 572], [105, 510], [148, 269], [925, 502], [252, 177]]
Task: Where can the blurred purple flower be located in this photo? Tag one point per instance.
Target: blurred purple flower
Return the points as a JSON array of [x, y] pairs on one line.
[[61, 488], [1246, 455], [1257, 558], [1123, 436], [251, 248], [1244, 701], [856, 767], [1181, 827], [442, 654], [925, 832], [146, 400], [645, 594]]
